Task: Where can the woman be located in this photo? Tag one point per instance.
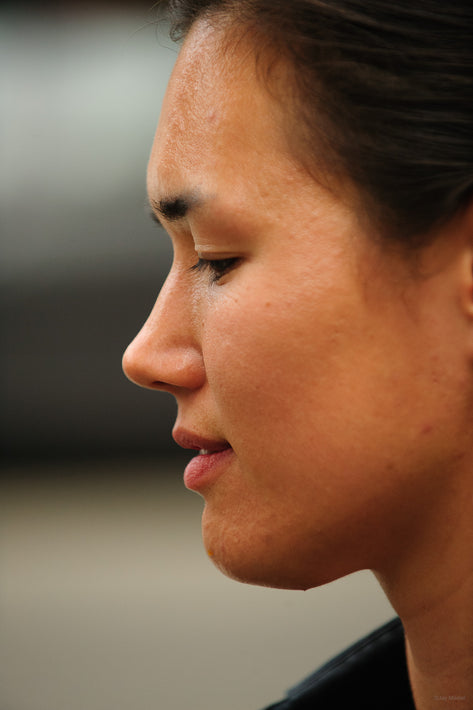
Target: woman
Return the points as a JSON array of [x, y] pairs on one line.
[[313, 165]]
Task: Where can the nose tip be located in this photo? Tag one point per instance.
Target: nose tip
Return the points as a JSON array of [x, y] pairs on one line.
[[131, 366], [152, 365]]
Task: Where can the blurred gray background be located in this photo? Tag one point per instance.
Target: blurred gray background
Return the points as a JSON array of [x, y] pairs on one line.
[[81, 262], [107, 600]]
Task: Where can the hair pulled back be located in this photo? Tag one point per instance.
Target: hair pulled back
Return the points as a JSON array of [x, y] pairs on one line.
[[385, 86]]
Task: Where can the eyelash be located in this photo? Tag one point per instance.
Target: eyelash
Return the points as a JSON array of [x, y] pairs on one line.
[[217, 267]]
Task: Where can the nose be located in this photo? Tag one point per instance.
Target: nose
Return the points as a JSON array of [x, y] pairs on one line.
[[166, 355]]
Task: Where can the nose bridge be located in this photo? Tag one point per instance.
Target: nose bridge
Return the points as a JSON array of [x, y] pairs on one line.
[[166, 352]]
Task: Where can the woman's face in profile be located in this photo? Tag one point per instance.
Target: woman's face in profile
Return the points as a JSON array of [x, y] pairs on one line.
[[298, 349]]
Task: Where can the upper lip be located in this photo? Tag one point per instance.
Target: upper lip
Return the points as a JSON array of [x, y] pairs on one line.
[[192, 440]]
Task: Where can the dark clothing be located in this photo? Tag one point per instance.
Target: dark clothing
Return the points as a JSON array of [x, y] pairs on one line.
[[370, 675]]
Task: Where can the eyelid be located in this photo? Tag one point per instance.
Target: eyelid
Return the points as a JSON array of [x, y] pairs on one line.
[[208, 255], [217, 267]]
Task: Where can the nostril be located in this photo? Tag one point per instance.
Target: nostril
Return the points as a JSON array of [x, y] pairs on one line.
[[159, 384]]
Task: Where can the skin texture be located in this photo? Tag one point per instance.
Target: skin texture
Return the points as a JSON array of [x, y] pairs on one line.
[[338, 370]]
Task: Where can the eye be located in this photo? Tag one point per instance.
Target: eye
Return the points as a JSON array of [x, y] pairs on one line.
[[216, 267]]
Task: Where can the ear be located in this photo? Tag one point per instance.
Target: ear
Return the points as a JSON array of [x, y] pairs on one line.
[[446, 265], [464, 228]]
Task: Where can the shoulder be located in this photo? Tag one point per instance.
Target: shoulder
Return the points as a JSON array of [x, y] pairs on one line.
[[368, 675]]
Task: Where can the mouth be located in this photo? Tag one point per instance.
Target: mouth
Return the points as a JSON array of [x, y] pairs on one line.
[[206, 452], [213, 458], [202, 444]]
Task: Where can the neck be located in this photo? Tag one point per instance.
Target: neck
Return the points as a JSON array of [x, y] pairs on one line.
[[439, 646], [431, 588]]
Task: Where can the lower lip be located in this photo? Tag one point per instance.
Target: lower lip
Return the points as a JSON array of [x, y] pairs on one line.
[[204, 469]]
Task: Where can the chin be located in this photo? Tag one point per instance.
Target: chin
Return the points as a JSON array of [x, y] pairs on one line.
[[259, 563]]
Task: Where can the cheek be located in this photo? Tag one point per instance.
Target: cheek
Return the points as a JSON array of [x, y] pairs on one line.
[[273, 360], [252, 362]]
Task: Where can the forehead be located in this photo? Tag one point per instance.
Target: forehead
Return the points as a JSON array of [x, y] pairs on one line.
[[217, 118]]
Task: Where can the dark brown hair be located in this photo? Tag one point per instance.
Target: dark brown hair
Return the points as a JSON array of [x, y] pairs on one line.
[[387, 85]]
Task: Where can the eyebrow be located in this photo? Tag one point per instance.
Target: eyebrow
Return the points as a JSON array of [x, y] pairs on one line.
[[174, 208]]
